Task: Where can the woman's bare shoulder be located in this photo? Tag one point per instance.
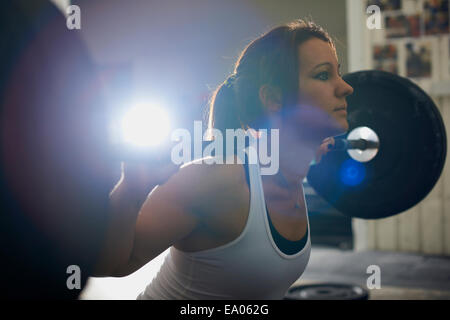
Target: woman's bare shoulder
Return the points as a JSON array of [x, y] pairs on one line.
[[201, 185]]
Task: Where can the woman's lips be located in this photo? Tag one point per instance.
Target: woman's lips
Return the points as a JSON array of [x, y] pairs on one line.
[[341, 110]]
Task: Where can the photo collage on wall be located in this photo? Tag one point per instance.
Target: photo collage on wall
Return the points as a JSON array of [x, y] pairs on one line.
[[415, 33]]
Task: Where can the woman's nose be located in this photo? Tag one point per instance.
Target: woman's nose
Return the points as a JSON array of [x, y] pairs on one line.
[[344, 89]]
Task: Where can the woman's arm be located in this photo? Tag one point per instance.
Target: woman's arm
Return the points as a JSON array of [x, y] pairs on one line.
[[126, 200], [173, 210]]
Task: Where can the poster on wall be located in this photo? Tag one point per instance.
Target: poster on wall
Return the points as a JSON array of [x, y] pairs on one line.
[[419, 59], [412, 6], [445, 49], [401, 26], [448, 58], [414, 41], [386, 5], [385, 58], [436, 16]]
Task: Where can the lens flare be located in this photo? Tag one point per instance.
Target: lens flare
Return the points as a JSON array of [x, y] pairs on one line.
[[352, 173], [145, 125]]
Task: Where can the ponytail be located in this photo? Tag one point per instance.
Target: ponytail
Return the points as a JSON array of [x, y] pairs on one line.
[[224, 110]]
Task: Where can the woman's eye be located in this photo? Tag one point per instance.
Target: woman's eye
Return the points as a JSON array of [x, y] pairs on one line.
[[323, 76]]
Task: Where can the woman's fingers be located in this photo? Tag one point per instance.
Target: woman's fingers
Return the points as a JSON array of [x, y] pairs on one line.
[[324, 148], [147, 172]]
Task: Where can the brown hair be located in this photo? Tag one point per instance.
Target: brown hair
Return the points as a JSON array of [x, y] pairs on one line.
[[271, 59]]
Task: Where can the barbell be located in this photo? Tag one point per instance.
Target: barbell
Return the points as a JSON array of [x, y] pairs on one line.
[[394, 151]]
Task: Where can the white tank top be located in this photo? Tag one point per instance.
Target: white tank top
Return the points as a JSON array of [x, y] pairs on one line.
[[249, 267]]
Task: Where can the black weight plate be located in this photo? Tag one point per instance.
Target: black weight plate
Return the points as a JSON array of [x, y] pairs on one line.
[[327, 291], [56, 172], [413, 147]]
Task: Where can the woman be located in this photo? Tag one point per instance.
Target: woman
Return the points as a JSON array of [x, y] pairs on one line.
[[234, 233]]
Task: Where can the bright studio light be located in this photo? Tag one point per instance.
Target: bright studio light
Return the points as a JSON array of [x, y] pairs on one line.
[[145, 125]]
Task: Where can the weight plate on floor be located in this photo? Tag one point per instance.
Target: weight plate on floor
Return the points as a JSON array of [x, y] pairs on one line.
[[327, 291]]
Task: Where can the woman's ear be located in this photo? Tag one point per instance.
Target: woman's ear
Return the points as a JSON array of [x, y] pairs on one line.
[[270, 97]]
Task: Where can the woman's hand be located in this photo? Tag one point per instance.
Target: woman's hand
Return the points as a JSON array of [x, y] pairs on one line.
[[323, 149], [126, 199], [142, 175]]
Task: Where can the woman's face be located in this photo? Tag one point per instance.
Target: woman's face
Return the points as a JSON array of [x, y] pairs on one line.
[[322, 93]]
